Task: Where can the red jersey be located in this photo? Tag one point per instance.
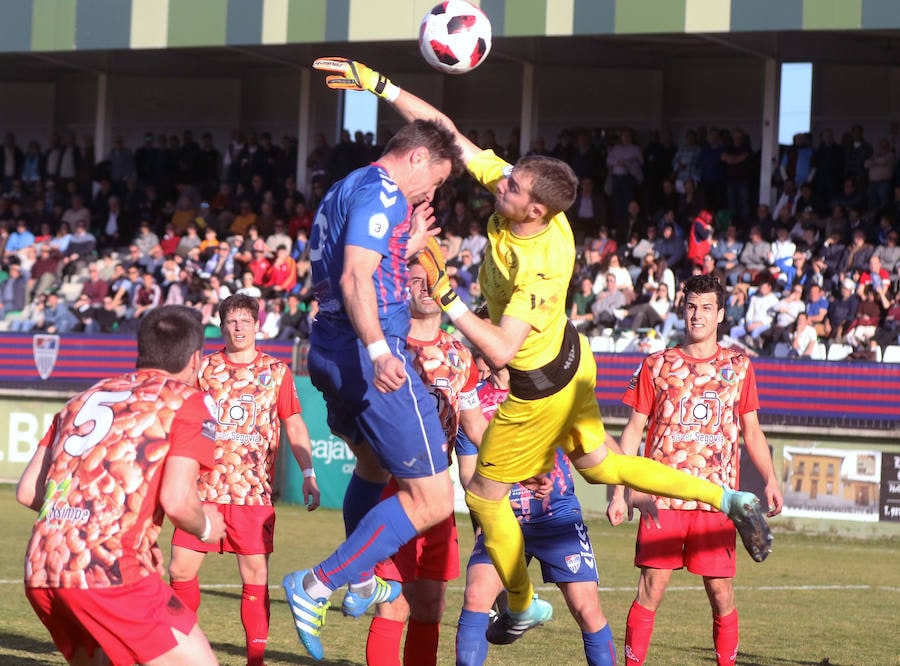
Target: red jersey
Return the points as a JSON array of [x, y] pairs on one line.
[[108, 447], [283, 274], [250, 400], [694, 408], [446, 367]]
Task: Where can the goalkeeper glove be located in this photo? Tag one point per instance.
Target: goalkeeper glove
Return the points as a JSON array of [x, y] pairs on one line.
[[353, 75], [432, 260]]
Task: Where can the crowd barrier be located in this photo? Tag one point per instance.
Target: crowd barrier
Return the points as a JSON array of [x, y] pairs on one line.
[[836, 391], [39, 372]]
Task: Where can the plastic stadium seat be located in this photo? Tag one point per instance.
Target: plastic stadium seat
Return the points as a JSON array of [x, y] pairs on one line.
[[626, 343], [602, 343], [819, 352], [837, 352], [891, 354], [782, 350]]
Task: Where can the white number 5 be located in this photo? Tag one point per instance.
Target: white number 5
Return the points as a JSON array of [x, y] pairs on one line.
[[96, 408]]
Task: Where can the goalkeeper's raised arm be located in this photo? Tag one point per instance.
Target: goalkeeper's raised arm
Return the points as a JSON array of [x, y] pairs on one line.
[[353, 75]]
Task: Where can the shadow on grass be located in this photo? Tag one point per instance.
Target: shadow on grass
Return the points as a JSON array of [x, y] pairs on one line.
[[221, 593], [37, 650], [749, 659], [298, 657]]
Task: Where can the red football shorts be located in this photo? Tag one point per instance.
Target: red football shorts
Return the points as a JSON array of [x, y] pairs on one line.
[[702, 541], [249, 530], [433, 555], [131, 623]]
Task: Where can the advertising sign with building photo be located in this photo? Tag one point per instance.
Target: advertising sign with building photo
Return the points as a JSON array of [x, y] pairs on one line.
[[832, 483], [890, 487]]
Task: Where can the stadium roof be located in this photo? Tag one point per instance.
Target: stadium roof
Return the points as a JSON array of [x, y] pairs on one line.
[[39, 40]]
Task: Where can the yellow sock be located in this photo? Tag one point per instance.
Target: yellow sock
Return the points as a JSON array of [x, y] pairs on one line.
[[653, 477], [505, 544]]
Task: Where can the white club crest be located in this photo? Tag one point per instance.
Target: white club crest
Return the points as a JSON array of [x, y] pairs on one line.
[[46, 351]]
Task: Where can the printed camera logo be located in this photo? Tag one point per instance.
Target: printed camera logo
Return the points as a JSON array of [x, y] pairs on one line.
[[706, 412], [46, 351], [237, 414]]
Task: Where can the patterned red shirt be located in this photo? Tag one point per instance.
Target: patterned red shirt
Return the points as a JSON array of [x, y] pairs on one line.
[[250, 400], [445, 365], [694, 408], [108, 447]]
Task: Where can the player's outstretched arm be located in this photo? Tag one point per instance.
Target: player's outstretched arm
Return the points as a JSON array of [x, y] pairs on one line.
[[361, 304], [179, 499], [629, 443], [301, 447], [31, 487], [758, 449], [498, 344], [354, 75]]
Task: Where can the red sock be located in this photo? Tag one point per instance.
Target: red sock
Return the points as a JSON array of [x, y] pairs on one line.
[[188, 591], [421, 643], [255, 618], [725, 638], [638, 630], [383, 643]]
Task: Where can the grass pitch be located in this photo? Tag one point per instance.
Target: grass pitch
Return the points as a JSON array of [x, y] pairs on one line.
[[818, 599]]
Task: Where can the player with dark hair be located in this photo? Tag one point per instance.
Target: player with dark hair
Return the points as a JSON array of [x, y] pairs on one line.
[[555, 534], [695, 400], [114, 459], [253, 394], [524, 279], [428, 561], [362, 237]]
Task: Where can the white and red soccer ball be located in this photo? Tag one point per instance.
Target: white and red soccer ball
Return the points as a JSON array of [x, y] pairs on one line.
[[455, 37]]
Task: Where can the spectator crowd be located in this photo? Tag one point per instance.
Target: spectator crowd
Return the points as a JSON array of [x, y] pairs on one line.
[[91, 245]]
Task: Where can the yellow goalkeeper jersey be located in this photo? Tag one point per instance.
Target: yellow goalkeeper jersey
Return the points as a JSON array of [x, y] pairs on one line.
[[526, 278]]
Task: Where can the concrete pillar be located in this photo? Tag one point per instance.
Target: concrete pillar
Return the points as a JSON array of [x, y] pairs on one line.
[[303, 131], [528, 120], [101, 118], [769, 146]]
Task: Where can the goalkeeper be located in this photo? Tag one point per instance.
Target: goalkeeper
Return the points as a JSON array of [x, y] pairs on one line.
[[524, 279]]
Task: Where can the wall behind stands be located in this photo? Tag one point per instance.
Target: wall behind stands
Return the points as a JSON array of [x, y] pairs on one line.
[[688, 93]]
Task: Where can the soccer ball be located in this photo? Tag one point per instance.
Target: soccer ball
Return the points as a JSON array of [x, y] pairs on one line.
[[455, 37]]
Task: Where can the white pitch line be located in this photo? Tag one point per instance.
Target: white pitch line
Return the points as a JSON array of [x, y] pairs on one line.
[[551, 588]]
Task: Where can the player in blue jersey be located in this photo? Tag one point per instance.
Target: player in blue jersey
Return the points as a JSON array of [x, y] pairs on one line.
[[556, 535], [552, 371], [361, 238]]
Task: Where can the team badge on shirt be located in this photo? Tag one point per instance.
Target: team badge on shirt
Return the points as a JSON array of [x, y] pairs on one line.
[[728, 374], [264, 379]]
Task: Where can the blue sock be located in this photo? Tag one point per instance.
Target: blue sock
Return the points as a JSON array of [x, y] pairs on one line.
[[359, 498], [378, 536], [471, 645], [599, 647]]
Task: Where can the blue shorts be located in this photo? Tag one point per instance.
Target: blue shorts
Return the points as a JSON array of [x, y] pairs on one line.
[[561, 546], [402, 427]]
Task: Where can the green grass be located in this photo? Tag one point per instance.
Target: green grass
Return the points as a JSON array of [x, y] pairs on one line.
[[818, 599]]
